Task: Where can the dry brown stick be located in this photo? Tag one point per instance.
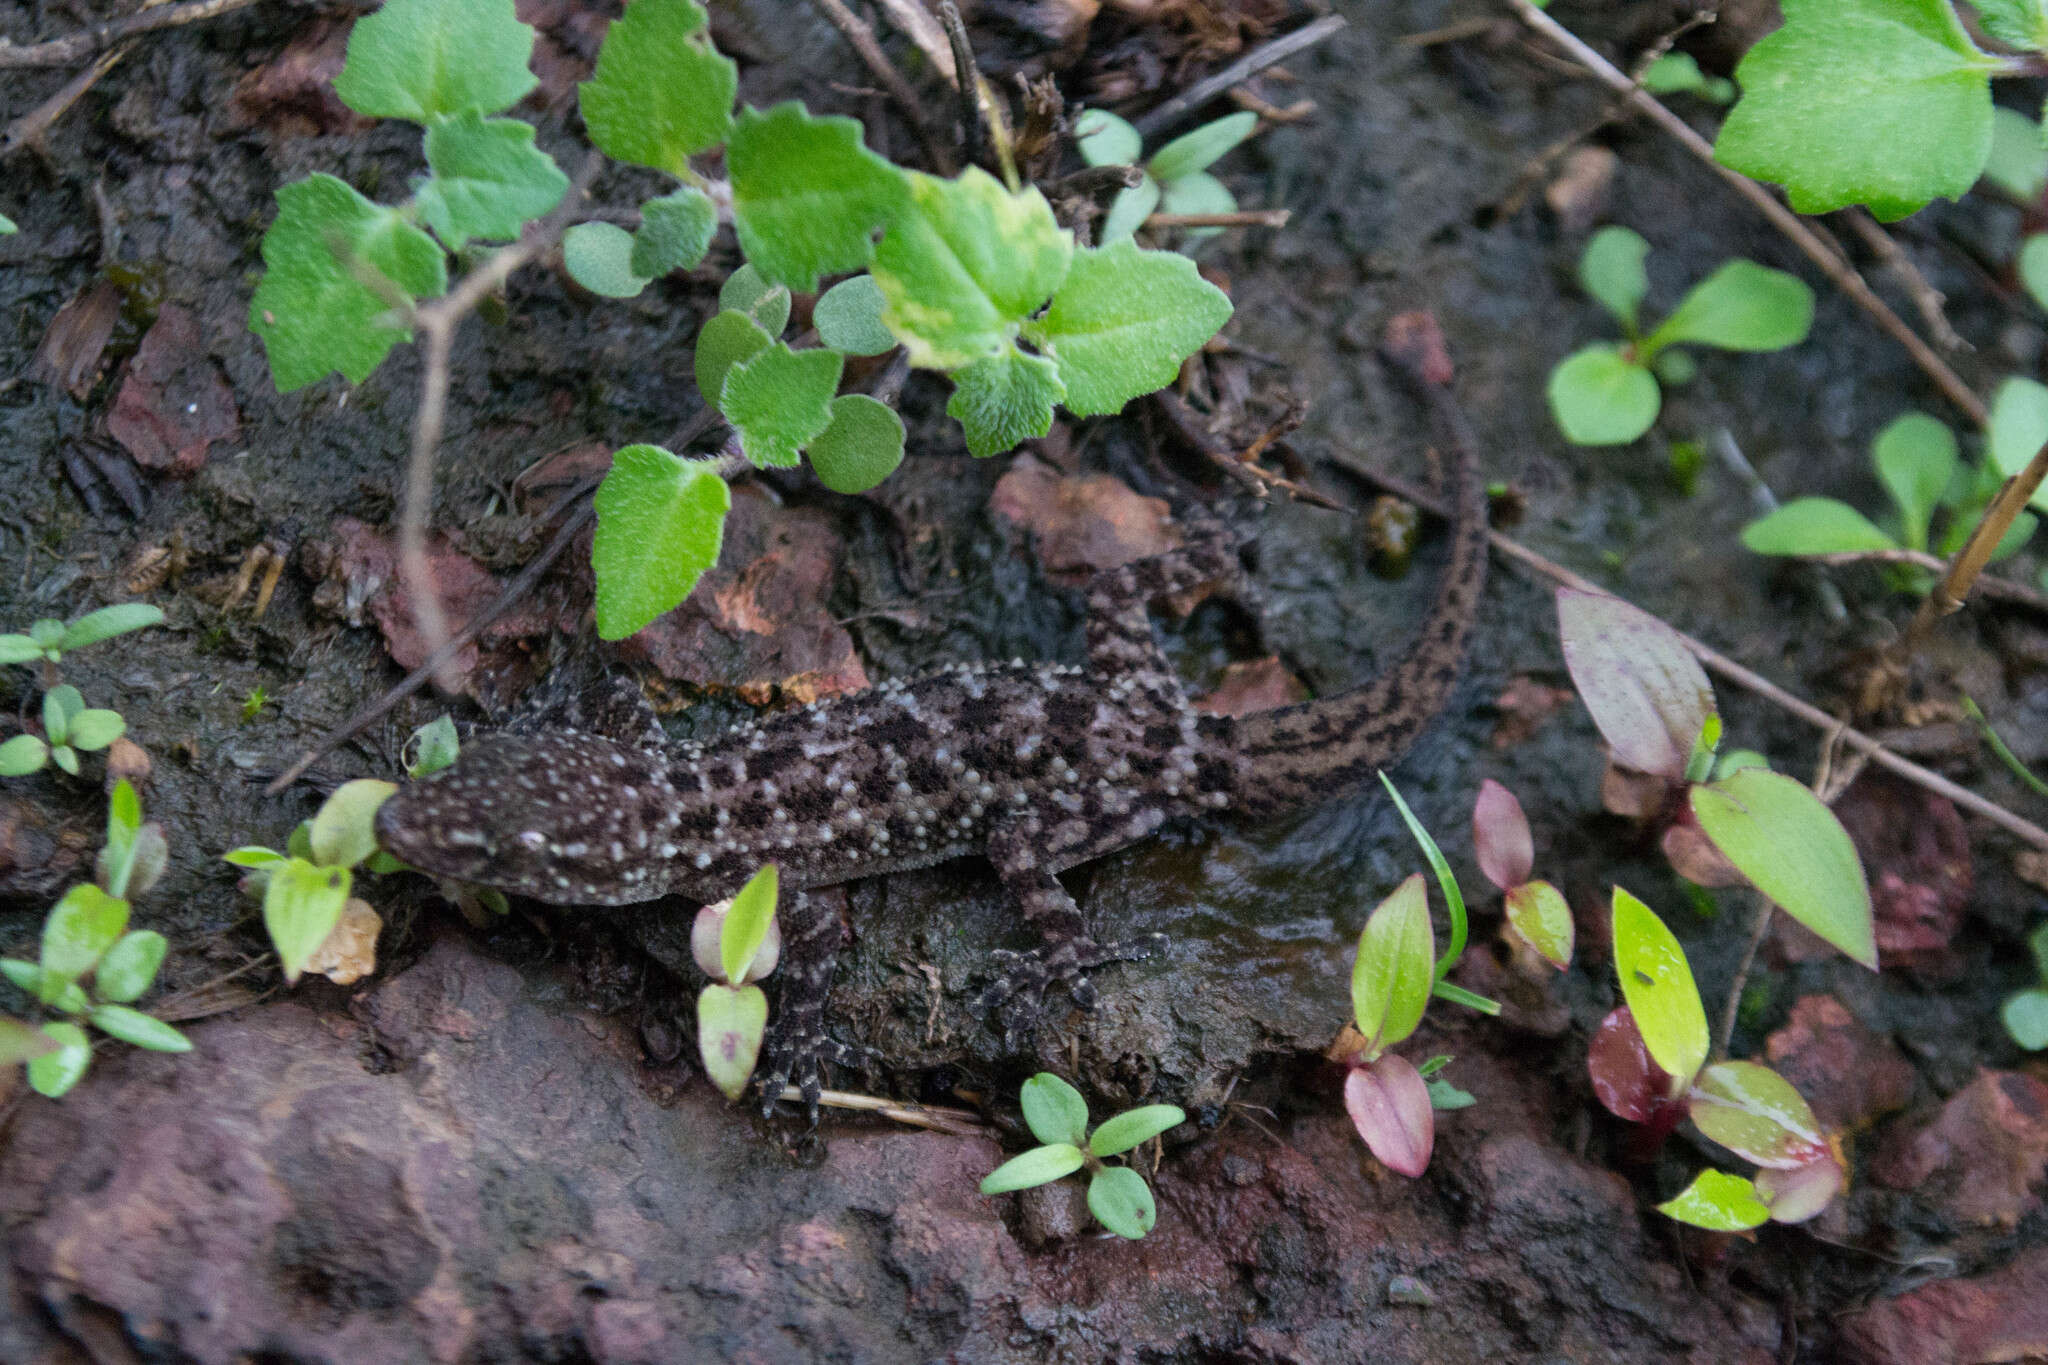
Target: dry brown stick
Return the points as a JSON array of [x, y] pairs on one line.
[[1239, 71], [25, 130], [1272, 218], [1816, 248], [1955, 585], [861, 38], [1928, 301], [916, 22], [1990, 585], [1739, 675], [82, 44]]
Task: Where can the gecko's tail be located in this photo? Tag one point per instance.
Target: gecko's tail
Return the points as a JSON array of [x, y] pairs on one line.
[[1296, 755]]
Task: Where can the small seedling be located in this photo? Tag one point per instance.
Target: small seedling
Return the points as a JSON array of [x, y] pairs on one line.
[[70, 728], [1607, 394], [92, 967], [2025, 1013], [1916, 460], [1654, 706], [736, 944], [1177, 178], [49, 640], [1537, 913], [1678, 73], [1648, 1065], [305, 889], [1058, 1117], [253, 703]]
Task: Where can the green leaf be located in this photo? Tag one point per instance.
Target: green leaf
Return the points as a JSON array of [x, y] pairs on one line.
[[129, 966], [253, 855], [2019, 428], [1039, 1166], [61, 705], [2033, 267], [1122, 323], [124, 822], [727, 339], [599, 256], [2025, 1016], [1915, 457], [1674, 73], [1878, 102], [1814, 526], [19, 649], [848, 317], [56, 1072], [1198, 150], [312, 312], [675, 231], [430, 748], [1395, 967], [750, 292], [1134, 1126], [1793, 849], [1719, 1202], [807, 197], [1757, 1114], [1103, 139], [93, 729], [2018, 164], [108, 622], [21, 1042], [660, 523], [1541, 918], [1742, 306], [1197, 192], [2017, 23], [862, 446], [1659, 989], [1004, 399], [423, 59], [965, 262], [65, 757], [80, 927], [301, 905], [1128, 211], [133, 1026], [1054, 1111], [7, 226], [1601, 398], [1454, 903], [778, 400], [1611, 270], [345, 827], [47, 987], [22, 755], [48, 633], [731, 1021], [746, 924], [661, 92], [489, 179], [1122, 1202]]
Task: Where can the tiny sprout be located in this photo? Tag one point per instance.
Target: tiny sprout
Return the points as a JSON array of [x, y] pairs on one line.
[[1058, 1117], [70, 728], [736, 944], [306, 888], [49, 640]]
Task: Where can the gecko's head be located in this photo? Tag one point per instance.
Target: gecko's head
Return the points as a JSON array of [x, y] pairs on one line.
[[572, 819]]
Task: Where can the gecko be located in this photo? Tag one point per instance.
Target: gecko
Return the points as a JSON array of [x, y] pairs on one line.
[[1037, 768]]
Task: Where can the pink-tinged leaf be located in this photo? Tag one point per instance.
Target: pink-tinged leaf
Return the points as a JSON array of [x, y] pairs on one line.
[[1625, 1080], [1755, 1113], [731, 1021], [1692, 855], [1389, 1104], [1645, 690], [1789, 844], [1500, 836], [1796, 1195], [1719, 1202], [1539, 916]]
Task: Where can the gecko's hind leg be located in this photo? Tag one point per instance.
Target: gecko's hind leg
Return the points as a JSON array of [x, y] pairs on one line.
[[1069, 952], [797, 1045]]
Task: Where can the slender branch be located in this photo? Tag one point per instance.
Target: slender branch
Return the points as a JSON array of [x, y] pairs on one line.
[[77, 46], [1749, 950], [25, 130], [861, 38], [1928, 300], [1272, 218], [957, 1122], [1239, 71], [1805, 238], [1736, 673], [1989, 585], [911, 18], [1998, 518]]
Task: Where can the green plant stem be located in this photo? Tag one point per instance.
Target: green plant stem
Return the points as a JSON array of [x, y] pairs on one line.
[[1749, 951], [1998, 746]]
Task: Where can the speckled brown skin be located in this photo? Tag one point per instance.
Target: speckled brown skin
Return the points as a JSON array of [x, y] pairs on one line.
[[1036, 767]]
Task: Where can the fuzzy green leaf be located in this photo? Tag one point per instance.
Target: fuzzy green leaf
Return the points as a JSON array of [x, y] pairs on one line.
[[1122, 1202], [345, 827], [1122, 323], [1003, 399], [1128, 211], [1134, 1126], [48, 987], [1814, 526], [108, 622], [661, 92], [301, 905], [748, 291], [19, 649], [848, 317], [746, 924], [1658, 986], [675, 231], [779, 400], [79, 929], [55, 1073], [1039, 1166], [731, 1021], [2018, 23], [807, 197], [94, 729], [1053, 1110], [1879, 102], [430, 748], [312, 311], [1601, 398], [1719, 1202], [1793, 849], [144, 1031], [1106, 140], [726, 339], [129, 966], [599, 256], [22, 755], [660, 523], [489, 179], [2018, 163], [1742, 306], [1198, 150], [1611, 270], [427, 59], [1915, 457], [862, 446]]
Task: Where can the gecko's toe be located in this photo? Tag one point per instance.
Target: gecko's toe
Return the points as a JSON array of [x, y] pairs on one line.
[[799, 1059], [1016, 997]]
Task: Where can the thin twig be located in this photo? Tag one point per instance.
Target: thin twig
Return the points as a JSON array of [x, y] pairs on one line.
[[861, 38], [1962, 573], [1816, 248], [77, 46], [1239, 71], [1927, 300], [912, 19], [957, 1122], [1988, 585], [1271, 218], [30, 127], [1736, 673], [966, 81], [1749, 950]]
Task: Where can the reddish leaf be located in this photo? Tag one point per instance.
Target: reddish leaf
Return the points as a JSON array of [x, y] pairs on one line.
[[1644, 688], [1253, 685], [1081, 526], [1500, 836], [174, 403], [1801, 1192], [1389, 1104], [1625, 1079]]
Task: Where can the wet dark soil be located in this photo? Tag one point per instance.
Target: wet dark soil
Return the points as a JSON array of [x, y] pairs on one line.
[[487, 1151]]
